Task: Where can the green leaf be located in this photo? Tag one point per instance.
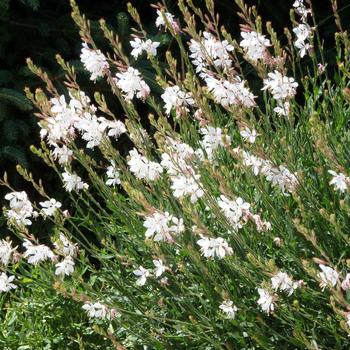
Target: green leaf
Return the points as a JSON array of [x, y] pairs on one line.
[[15, 98]]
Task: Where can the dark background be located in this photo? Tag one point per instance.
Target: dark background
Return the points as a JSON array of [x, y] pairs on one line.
[[40, 29]]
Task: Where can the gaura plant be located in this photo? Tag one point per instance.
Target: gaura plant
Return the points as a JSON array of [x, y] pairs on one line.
[[225, 224]]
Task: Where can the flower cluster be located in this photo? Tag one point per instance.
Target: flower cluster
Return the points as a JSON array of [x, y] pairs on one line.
[[166, 18], [143, 168], [99, 311], [163, 226], [278, 176], [131, 84], [281, 281], [6, 252], [229, 309], [49, 207], [266, 301], [73, 182], [303, 32], [255, 45], [37, 253], [94, 62], [214, 247], [329, 277], [21, 209], [174, 97], [77, 116], [142, 274], [238, 213], [6, 282], [213, 138], [177, 162], [282, 88], [210, 51], [113, 175], [230, 93], [68, 251], [138, 46]]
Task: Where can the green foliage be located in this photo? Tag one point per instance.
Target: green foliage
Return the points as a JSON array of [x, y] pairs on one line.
[[182, 311], [38, 318]]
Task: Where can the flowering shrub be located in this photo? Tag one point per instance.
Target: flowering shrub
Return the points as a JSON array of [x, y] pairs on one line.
[[226, 224]]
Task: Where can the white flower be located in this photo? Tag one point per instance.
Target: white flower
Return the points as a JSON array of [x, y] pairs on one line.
[[303, 32], [6, 251], [159, 267], [280, 86], [37, 253], [6, 282], [176, 225], [234, 210], [73, 182], [174, 97], [91, 129], [187, 186], [49, 207], [65, 247], [346, 283], [230, 93], [162, 226], [254, 162], [131, 84], [139, 46], [229, 309], [96, 310], [113, 175], [60, 126], [301, 9], [213, 138], [142, 275], [283, 108], [303, 47], [21, 208], [151, 47], [260, 224], [255, 45], [142, 168], [116, 128], [161, 22], [249, 135], [210, 51], [266, 301], [65, 267], [339, 181], [280, 176], [328, 276], [63, 154], [94, 61], [281, 281], [214, 247]]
